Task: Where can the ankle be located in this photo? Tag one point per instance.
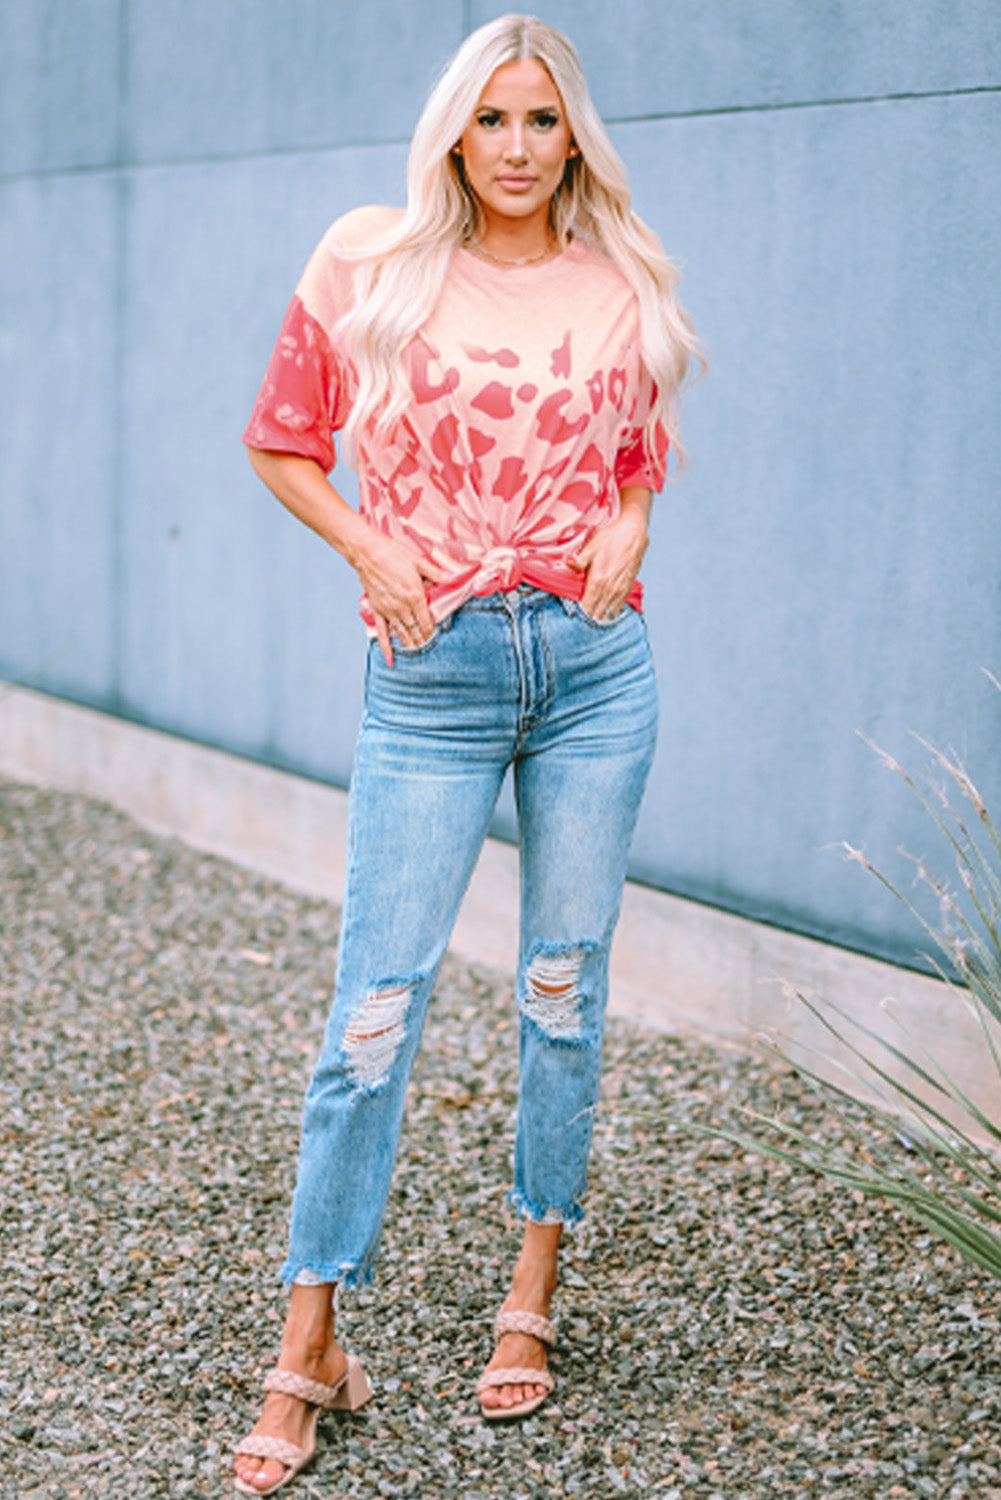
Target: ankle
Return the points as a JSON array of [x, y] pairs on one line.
[[306, 1355], [308, 1336], [534, 1280]]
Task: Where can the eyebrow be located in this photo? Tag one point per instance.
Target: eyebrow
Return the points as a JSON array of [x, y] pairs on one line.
[[540, 109]]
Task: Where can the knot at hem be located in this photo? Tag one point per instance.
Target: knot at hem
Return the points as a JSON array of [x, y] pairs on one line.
[[500, 568]]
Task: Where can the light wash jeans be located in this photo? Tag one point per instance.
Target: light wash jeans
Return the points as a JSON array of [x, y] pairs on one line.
[[522, 678]]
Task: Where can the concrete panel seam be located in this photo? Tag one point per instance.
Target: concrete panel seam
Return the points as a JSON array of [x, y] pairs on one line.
[[786, 106], [219, 159], [210, 159]]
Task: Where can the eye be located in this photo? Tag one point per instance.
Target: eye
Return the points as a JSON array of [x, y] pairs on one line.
[[546, 120], [488, 118]]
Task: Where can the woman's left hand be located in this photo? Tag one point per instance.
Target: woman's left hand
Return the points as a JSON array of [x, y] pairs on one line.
[[611, 558]]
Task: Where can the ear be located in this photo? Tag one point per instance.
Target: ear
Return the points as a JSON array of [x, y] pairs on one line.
[[457, 149], [574, 150]]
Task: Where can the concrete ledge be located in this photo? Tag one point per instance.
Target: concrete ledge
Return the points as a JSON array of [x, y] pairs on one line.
[[676, 965]]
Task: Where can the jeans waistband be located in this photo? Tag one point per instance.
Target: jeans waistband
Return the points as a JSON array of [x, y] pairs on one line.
[[502, 599]]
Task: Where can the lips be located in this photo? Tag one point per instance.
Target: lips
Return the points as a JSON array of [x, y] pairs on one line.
[[513, 183]]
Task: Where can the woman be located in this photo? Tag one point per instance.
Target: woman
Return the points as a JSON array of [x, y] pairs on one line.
[[504, 358]]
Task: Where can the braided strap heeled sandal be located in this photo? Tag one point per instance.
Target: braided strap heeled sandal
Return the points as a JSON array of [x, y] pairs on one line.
[[349, 1394], [537, 1327]]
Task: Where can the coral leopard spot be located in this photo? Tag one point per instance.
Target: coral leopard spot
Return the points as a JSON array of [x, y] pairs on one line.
[[506, 358], [495, 400], [559, 364]]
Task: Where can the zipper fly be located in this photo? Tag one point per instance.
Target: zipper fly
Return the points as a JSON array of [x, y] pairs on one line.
[[533, 658]]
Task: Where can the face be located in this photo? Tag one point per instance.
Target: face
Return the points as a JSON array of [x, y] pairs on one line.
[[515, 147]]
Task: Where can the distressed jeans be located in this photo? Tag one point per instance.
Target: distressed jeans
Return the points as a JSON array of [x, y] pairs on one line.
[[524, 679]]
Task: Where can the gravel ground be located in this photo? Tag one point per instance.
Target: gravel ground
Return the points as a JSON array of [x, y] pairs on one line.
[[729, 1329]]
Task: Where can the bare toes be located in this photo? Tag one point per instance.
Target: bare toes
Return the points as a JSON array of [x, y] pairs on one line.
[[260, 1472]]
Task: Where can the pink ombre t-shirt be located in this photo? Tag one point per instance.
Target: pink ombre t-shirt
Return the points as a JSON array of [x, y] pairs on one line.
[[529, 399]]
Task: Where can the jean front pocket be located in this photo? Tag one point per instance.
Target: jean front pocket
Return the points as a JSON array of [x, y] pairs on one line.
[[399, 649], [577, 611]]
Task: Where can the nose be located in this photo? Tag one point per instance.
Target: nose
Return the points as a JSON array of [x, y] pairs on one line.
[[516, 144]]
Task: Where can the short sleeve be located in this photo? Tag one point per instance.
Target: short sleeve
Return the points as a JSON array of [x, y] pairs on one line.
[[638, 461], [305, 396], [299, 406]]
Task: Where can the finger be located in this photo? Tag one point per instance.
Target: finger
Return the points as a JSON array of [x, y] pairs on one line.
[[610, 606], [591, 604], [413, 627], [423, 619], [432, 570], [382, 636], [595, 593], [411, 631], [605, 601]]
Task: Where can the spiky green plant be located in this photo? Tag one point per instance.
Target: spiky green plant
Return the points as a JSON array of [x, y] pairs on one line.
[[913, 1135]]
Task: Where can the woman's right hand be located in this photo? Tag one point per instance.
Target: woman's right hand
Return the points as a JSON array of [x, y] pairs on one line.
[[394, 577]]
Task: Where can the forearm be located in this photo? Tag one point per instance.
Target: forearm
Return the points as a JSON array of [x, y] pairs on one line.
[[636, 502], [303, 488]]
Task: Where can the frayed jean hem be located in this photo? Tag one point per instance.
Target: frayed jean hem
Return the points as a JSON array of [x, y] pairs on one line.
[[541, 1213], [347, 1274]]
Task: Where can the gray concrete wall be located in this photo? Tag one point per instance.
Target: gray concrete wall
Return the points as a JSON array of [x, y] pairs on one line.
[[827, 173]]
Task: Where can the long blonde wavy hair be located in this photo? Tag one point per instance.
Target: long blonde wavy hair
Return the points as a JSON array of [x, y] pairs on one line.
[[402, 269]]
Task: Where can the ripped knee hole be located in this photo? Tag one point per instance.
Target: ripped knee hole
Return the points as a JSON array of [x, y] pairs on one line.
[[375, 1032], [552, 993]]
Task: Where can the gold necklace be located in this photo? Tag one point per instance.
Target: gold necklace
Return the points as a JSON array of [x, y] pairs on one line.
[[525, 260]]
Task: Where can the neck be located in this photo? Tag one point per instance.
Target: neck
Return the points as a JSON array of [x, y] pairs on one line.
[[517, 242]]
